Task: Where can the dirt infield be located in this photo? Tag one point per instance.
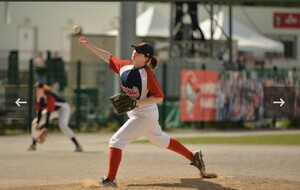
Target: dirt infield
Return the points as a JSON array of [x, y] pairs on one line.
[[192, 182], [55, 166]]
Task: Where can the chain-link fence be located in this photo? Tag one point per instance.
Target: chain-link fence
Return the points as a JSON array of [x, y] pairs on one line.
[[97, 82], [11, 118]]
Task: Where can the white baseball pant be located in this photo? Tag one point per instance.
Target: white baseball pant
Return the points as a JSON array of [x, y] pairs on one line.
[[63, 115], [142, 122]]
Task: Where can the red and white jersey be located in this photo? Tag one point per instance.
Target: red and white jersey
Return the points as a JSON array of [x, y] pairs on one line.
[[50, 102], [136, 83]]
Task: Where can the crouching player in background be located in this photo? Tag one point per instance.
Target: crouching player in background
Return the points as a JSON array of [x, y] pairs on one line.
[[49, 106]]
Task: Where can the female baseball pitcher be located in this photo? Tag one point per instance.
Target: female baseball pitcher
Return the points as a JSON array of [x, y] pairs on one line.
[[139, 82], [49, 106]]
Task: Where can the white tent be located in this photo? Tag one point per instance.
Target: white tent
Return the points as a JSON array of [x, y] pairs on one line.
[[247, 39], [150, 23]]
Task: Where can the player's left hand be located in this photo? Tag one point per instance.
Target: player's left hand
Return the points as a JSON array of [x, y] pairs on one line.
[[36, 126], [122, 102], [41, 137]]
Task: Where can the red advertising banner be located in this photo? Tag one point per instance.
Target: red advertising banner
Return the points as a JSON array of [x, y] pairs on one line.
[[286, 20], [198, 95]]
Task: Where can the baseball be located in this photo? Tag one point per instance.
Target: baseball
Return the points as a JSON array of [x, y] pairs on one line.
[[77, 30]]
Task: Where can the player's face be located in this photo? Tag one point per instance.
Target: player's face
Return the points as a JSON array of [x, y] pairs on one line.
[[40, 92], [138, 58]]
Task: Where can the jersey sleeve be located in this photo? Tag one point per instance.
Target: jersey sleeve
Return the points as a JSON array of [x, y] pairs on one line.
[[38, 106], [153, 86], [115, 64]]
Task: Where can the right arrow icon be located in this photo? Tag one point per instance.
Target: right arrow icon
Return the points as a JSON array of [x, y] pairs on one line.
[[281, 102]]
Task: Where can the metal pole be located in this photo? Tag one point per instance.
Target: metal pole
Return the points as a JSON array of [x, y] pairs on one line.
[[164, 85], [211, 28], [230, 35], [7, 17], [30, 95], [78, 103], [127, 35], [172, 25], [116, 78], [127, 29]]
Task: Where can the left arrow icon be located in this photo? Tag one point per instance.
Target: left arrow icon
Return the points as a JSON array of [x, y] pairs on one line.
[[18, 102]]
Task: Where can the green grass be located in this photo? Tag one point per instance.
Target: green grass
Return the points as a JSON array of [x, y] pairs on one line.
[[292, 139]]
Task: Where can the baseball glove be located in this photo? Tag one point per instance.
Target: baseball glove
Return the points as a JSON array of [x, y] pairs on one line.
[[41, 136], [122, 103]]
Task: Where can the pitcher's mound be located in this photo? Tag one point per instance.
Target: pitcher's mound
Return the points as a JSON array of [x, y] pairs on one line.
[[175, 182]]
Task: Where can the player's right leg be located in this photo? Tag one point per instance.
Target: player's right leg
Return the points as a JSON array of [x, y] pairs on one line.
[[131, 130], [32, 147]]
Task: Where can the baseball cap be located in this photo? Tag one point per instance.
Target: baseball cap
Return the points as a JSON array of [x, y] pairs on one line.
[[39, 85], [144, 48], [44, 86]]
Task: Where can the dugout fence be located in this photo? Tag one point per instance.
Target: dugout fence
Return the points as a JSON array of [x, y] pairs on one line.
[[96, 84]]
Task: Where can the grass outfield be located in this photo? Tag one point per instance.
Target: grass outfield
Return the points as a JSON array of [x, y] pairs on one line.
[[289, 139]]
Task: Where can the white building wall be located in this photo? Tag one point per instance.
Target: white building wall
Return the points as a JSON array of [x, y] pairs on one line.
[[53, 19]]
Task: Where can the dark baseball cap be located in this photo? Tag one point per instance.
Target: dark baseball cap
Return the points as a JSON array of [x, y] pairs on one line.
[[39, 85], [144, 48]]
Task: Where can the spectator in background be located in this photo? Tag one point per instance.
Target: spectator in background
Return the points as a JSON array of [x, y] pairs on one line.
[[56, 55], [59, 74], [56, 74], [40, 68], [241, 61]]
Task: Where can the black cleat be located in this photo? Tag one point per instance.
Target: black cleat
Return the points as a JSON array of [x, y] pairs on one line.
[[198, 161], [79, 149], [108, 183], [32, 148], [199, 164]]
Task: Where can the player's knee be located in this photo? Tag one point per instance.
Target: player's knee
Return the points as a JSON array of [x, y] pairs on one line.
[[33, 122], [116, 143], [160, 141], [62, 123], [159, 144]]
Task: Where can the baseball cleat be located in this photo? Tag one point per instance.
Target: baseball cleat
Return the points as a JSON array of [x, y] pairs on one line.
[[199, 163], [108, 183], [79, 149], [31, 148]]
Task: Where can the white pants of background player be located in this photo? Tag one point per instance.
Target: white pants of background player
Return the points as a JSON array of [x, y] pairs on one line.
[[142, 122], [63, 115]]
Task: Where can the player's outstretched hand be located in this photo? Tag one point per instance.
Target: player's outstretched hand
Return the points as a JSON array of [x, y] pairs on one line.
[[83, 40]]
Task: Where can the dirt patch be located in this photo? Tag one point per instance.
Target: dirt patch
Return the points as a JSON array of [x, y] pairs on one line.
[[54, 166], [165, 182]]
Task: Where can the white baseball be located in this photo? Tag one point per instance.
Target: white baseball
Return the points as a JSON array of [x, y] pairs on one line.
[[77, 29]]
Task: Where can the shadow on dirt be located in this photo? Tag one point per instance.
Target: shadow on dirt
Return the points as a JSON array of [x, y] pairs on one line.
[[186, 183]]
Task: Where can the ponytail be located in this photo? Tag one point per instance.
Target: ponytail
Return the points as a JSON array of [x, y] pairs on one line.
[[47, 88], [43, 86], [152, 64]]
